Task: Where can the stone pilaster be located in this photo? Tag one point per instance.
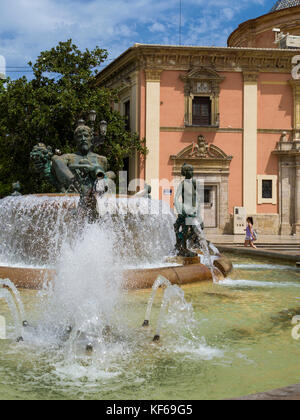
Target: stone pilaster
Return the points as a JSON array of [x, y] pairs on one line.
[[153, 129], [297, 198], [133, 161], [250, 142], [296, 120], [285, 197]]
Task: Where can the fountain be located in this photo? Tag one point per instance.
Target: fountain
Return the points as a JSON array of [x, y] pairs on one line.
[[42, 241], [89, 254], [85, 338], [34, 228]]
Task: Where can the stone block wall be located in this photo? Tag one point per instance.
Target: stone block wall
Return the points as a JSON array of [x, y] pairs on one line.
[[266, 224]]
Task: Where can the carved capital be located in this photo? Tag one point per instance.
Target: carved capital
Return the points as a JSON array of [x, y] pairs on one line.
[[295, 85], [250, 76], [153, 75]]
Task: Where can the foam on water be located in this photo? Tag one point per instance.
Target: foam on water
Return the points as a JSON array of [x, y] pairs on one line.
[[199, 351], [264, 267], [253, 283], [78, 371]]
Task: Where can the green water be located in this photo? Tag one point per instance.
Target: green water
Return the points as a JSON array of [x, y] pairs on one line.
[[239, 343]]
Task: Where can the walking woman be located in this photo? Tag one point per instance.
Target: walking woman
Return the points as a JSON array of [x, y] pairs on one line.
[[250, 235]]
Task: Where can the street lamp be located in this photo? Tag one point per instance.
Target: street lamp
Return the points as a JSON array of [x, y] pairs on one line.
[[98, 139], [103, 128], [92, 116]]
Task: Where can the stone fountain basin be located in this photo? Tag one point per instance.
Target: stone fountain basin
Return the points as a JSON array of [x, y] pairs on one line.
[[37, 278]]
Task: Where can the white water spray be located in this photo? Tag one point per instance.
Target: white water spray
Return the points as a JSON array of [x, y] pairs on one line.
[[172, 295], [34, 229], [10, 294], [205, 248]]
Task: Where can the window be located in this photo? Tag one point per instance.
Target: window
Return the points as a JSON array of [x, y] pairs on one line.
[[201, 96], [267, 189], [207, 195], [127, 114], [201, 110]]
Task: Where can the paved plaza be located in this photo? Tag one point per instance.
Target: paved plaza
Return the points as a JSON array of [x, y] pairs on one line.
[[269, 246]]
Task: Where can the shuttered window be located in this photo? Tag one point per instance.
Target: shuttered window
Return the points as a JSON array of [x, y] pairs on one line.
[[267, 188], [127, 115], [201, 111]]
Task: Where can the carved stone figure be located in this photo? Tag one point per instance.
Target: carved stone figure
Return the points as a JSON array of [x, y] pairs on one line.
[[16, 189], [200, 149], [284, 137], [203, 87], [77, 172]]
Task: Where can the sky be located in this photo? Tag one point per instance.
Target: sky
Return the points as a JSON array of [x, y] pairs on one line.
[[28, 27]]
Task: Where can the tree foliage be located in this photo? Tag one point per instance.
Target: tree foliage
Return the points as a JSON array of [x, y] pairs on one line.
[[47, 108]]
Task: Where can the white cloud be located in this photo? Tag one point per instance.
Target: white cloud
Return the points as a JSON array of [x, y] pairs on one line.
[[30, 26], [157, 27]]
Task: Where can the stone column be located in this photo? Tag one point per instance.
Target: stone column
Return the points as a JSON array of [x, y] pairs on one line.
[[250, 142], [285, 196], [297, 197], [153, 129]]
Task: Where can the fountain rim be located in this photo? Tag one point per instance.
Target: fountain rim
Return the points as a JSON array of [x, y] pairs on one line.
[[133, 279]]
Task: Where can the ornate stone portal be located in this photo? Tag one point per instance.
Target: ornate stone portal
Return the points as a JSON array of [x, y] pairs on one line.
[[288, 152], [212, 166]]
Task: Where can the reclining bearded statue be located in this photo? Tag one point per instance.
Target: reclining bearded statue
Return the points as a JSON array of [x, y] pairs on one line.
[[82, 172]]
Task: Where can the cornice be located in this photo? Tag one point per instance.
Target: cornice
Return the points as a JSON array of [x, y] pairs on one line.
[[286, 153], [269, 20], [221, 59], [273, 131], [220, 130], [201, 128]]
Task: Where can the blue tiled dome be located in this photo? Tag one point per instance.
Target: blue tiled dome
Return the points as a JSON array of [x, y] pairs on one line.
[[284, 4]]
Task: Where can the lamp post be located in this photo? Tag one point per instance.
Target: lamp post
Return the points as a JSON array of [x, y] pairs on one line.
[[97, 139], [92, 118], [103, 128]]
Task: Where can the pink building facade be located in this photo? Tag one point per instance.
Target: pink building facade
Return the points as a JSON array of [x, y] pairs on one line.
[[232, 112]]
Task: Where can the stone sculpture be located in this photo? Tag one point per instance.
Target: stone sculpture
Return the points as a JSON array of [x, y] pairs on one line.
[[16, 189], [82, 172], [188, 212]]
